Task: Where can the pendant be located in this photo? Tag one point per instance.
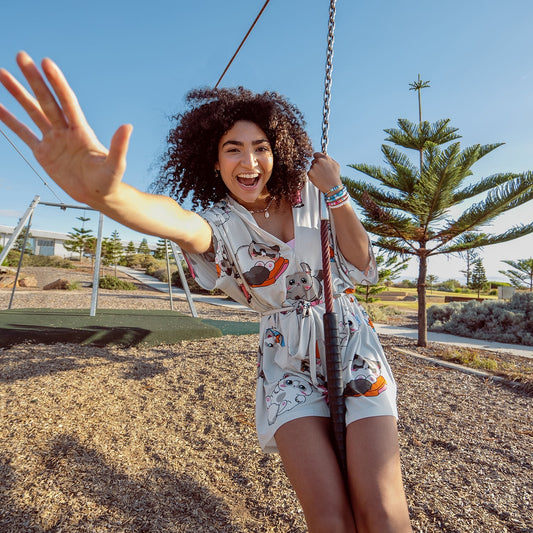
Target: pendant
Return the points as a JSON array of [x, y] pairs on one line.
[[267, 214]]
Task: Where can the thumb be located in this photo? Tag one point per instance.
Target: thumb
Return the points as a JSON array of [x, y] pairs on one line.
[[118, 147]]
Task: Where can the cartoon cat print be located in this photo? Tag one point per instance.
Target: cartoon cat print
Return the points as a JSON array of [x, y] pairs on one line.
[[289, 392], [368, 380], [268, 265], [303, 285]]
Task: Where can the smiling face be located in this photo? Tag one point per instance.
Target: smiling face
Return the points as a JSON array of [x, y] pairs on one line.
[[245, 161]]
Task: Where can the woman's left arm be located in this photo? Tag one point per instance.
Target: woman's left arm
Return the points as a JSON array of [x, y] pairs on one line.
[[351, 235]]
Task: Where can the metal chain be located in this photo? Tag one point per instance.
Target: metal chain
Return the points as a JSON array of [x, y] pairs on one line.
[[327, 81]]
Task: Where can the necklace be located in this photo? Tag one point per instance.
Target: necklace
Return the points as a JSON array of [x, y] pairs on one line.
[[265, 210]]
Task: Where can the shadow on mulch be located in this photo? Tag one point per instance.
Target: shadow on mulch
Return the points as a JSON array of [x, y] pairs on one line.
[[124, 327], [148, 502]]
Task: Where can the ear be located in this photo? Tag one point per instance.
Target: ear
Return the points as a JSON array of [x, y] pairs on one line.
[[217, 166]]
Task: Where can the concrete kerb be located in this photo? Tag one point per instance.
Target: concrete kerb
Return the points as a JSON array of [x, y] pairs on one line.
[[467, 342]]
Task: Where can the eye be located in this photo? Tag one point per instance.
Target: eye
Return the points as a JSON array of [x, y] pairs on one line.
[[303, 280], [292, 282], [288, 381]]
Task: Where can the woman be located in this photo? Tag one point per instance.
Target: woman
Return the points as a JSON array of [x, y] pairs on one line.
[[244, 158]]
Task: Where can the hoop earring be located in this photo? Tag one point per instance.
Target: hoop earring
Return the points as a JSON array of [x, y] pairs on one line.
[[217, 173]]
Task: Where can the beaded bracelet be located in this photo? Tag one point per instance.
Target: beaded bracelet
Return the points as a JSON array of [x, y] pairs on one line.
[[339, 203], [337, 195], [336, 188]]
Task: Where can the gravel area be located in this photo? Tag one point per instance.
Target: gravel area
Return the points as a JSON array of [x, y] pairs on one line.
[[162, 439]]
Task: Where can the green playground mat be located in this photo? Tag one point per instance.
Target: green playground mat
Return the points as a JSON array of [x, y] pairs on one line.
[[123, 327]]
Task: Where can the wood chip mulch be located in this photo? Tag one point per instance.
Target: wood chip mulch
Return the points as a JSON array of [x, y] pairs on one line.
[[162, 439]]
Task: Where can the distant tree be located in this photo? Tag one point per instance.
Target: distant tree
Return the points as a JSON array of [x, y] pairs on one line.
[[112, 250], [159, 252], [410, 209], [389, 269], [77, 240], [143, 247], [479, 278], [130, 249], [521, 273], [449, 285], [18, 245], [471, 255], [432, 281]]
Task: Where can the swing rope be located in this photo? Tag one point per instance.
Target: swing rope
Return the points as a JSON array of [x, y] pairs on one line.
[[331, 328]]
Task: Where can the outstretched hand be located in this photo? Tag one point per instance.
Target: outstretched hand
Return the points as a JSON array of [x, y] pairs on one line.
[[68, 149]]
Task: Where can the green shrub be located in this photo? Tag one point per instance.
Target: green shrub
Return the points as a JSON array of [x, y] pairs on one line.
[[152, 265], [498, 320], [193, 286], [116, 284], [73, 285]]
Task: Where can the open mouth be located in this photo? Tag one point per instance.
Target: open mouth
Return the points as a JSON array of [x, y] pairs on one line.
[[248, 180]]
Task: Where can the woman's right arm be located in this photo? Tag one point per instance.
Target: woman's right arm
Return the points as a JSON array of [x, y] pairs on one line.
[[74, 158]]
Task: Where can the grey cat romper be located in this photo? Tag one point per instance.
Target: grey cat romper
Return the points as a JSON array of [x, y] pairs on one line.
[[283, 283]]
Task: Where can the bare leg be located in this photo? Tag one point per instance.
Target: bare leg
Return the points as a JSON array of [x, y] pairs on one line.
[[375, 478], [309, 460]]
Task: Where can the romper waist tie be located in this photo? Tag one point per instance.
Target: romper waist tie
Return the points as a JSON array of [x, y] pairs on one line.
[[302, 327]]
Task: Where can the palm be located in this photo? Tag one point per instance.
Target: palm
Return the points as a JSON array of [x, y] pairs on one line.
[[411, 214], [68, 150]]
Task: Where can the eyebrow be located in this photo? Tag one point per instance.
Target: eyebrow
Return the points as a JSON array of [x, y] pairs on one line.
[[239, 143]]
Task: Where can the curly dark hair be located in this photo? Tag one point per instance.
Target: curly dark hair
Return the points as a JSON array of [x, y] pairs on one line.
[[188, 165]]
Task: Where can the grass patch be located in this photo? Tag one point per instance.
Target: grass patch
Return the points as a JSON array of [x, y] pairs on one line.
[[516, 370]]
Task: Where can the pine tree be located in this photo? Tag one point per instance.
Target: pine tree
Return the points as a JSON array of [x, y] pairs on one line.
[[143, 247], [78, 239], [410, 209], [479, 278], [112, 250], [521, 273]]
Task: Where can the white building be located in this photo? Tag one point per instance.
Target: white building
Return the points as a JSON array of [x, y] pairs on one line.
[[50, 242]]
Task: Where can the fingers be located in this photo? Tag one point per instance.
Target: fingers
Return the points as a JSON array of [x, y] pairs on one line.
[[25, 99], [18, 128], [44, 96], [119, 147], [69, 102]]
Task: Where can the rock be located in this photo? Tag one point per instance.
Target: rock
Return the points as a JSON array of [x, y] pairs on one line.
[[6, 282], [60, 284], [28, 281]]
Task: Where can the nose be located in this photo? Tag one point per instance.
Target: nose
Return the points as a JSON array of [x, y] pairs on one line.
[[248, 159]]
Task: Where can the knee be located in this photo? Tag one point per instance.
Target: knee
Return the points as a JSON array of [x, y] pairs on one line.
[[330, 520], [381, 516]]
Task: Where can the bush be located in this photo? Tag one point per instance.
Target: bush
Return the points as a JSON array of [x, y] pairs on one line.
[[501, 321], [151, 265], [112, 283], [193, 286], [29, 260]]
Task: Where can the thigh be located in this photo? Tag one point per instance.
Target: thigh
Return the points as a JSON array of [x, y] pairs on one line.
[[375, 477], [306, 449]]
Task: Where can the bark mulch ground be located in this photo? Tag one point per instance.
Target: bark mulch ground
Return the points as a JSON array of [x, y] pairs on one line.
[[103, 439]]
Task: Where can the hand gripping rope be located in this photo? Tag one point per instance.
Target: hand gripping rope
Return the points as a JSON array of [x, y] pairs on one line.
[[331, 329]]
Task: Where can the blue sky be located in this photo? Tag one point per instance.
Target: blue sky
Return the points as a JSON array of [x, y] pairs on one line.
[[133, 62]]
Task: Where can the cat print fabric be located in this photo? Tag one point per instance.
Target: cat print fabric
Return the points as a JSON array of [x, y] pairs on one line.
[[285, 286]]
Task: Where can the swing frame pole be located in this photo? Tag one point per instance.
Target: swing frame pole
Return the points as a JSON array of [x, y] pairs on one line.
[[331, 324]]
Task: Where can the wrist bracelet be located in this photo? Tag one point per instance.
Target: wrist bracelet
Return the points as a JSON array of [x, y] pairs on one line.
[[344, 198], [339, 203], [337, 195], [336, 188]]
